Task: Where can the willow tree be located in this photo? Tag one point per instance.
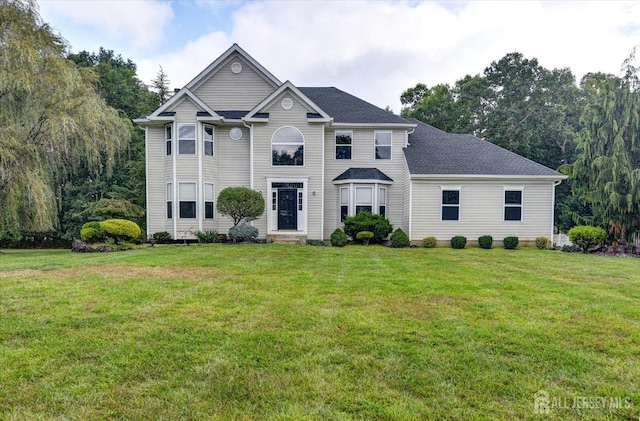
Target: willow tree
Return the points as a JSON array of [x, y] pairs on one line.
[[52, 121], [607, 173]]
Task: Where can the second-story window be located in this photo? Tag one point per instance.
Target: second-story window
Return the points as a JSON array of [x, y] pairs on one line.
[[287, 147], [343, 144], [187, 139], [207, 135], [168, 134], [382, 144]]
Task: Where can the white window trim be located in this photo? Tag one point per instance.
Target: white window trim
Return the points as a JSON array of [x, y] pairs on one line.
[[170, 127], [386, 200], [304, 152], [512, 205], [204, 200], [373, 198], [169, 189], [213, 140], [335, 143], [272, 215], [195, 139], [340, 204], [390, 145], [459, 205], [176, 217]]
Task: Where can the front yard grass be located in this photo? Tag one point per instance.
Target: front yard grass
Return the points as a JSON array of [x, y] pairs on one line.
[[300, 332]]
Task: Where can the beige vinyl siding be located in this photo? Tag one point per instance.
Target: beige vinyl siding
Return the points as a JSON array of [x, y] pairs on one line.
[[157, 163], [362, 156], [312, 169], [481, 210], [226, 90], [406, 200]]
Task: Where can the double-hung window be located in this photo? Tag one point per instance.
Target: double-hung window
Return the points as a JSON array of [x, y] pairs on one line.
[[382, 201], [344, 140], [187, 198], [287, 147], [450, 205], [168, 134], [169, 200], [187, 139], [364, 199], [207, 137], [513, 205], [382, 144], [208, 200], [344, 203]]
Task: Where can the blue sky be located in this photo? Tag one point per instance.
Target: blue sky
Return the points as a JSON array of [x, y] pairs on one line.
[[372, 49]]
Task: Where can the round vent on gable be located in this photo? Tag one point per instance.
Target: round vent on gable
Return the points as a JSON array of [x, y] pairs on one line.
[[235, 133], [287, 103], [236, 67]]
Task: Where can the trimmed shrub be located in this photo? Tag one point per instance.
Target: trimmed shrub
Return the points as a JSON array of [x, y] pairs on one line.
[[543, 243], [485, 241], [339, 238], [243, 232], [162, 237], [120, 230], [365, 237], [399, 239], [587, 236], [510, 243], [240, 204], [430, 242], [92, 232], [9, 238], [316, 243], [365, 221], [207, 236], [458, 242]]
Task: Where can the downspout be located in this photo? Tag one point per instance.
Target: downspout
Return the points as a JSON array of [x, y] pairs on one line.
[[322, 187], [174, 179], [553, 207], [250, 127], [200, 187], [146, 174]]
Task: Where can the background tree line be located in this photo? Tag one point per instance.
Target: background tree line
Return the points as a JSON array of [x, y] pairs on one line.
[[588, 131]]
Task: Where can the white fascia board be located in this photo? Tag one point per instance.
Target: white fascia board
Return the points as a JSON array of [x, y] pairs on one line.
[[154, 121], [181, 96], [381, 126], [255, 120], [220, 61], [319, 120], [310, 105], [362, 181], [434, 177]]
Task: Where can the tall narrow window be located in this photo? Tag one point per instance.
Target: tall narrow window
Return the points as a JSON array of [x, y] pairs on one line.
[[513, 205], [168, 134], [287, 147], [169, 200], [208, 200], [344, 203], [187, 198], [300, 198], [382, 145], [382, 201], [187, 139], [364, 199], [208, 139], [274, 200], [450, 205], [343, 144]]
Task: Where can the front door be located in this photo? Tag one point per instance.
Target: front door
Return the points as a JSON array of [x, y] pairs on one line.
[[287, 209]]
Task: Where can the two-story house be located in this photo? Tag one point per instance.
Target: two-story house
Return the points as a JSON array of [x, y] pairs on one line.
[[318, 155]]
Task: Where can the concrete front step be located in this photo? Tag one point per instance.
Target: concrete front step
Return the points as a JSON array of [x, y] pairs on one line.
[[287, 239]]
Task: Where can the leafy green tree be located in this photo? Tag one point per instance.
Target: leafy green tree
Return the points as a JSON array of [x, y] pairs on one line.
[[53, 123], [241, 204], [607, 173]]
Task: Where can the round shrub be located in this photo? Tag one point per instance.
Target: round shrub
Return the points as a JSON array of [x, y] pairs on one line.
[[458, 242], [399, 239], [430, 242], [243, 232], [364, 236], [240, 204], [485, 241], [543, 243], [120, 229], [510, 243], [365, 221], [162, 237], [92, 232], [339, 238], [586, 236]]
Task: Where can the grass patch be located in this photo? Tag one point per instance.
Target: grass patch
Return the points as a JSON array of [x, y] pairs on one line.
[[301, 332]]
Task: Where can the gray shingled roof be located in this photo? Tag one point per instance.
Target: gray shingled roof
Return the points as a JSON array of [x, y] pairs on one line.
[[432, 151], [346, 108], [363, 174]]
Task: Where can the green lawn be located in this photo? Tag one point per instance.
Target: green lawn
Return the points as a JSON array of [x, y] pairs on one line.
[[299, 332]]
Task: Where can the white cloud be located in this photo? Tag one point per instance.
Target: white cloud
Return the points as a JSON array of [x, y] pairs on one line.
[[139, 22]]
